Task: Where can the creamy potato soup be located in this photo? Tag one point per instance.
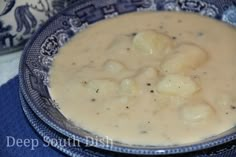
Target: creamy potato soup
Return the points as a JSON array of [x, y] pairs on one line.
[[149, 78]]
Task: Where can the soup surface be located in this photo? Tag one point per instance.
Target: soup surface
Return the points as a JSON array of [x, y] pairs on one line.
[[149, 78]]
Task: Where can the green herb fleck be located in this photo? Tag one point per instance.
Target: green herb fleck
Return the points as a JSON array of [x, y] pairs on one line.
[[143, 132], [200, 34]]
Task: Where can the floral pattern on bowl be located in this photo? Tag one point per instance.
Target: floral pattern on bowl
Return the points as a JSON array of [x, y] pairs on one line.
[[20, 19]]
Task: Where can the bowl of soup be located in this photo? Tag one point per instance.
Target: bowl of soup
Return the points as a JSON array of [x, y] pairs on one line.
[[139, 77]]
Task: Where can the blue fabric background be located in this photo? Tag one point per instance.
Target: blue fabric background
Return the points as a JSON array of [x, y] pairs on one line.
[[14, 123]]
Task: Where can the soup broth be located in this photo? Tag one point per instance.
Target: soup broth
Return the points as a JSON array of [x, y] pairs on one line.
[[149, 78]]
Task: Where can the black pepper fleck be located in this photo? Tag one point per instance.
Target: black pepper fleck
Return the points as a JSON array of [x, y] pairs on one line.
[[148, 122], [227, 113], [97, 90], [155, 112], [93, 99], [134, 34], [127, 107], [179, 21], [174, 38], [148, 84], [233, 107], [84, 82], [151, 91]]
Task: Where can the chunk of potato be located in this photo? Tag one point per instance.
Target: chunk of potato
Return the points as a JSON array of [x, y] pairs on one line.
[[152, 42], [120, 44], [103, 86], [177, 85], [113, 66], [196, 112], [147, 73], [128, 87], [186, 57]]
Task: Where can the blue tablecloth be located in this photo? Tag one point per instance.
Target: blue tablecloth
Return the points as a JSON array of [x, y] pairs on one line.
[[15, 128], [17, 135]]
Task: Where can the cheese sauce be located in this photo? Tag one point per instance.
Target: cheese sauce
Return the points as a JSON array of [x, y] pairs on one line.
[[128, 78]]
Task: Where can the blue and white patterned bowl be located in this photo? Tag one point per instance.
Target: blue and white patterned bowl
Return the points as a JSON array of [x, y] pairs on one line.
[[62, 143], [40, 50], [19, 20]]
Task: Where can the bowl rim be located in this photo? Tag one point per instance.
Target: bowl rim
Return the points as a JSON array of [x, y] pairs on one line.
[[158, 150]]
